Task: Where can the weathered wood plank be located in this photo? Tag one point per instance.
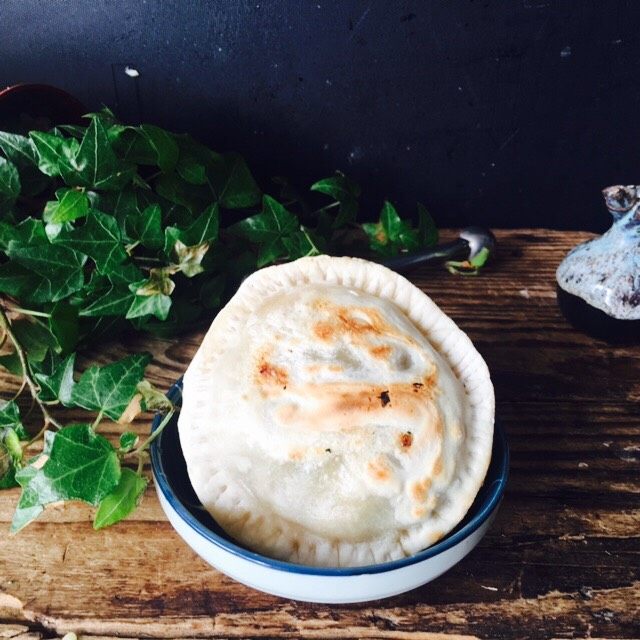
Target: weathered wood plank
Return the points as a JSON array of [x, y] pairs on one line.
[[561, 560]]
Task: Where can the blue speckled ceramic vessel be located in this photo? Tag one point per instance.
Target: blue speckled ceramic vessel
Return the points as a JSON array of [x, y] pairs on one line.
[[599, 280]]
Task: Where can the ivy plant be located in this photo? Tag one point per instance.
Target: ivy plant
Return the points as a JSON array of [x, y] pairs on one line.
[[109, 227]]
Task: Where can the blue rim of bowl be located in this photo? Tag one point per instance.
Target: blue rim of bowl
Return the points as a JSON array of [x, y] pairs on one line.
[[491, 502]]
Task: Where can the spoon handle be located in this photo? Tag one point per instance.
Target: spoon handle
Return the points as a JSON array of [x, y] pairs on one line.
[[446, 251]]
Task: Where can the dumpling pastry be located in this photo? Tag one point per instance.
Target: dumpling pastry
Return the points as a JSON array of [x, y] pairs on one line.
[[334, 416]]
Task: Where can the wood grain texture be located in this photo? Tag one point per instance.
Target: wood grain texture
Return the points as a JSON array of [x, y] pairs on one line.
[[562, 559]]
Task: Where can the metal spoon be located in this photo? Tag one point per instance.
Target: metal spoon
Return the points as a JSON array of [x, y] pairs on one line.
[[468, 244]]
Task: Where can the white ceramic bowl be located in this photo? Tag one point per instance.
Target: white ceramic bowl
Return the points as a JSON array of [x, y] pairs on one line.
[[314, 584]]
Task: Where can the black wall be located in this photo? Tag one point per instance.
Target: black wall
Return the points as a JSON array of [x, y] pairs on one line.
[[512, 113]]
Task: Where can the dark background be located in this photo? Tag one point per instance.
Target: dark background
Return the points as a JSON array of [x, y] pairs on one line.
[[512, 113]]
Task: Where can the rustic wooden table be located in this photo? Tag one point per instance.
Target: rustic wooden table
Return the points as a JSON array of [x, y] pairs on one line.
[[561, 560]]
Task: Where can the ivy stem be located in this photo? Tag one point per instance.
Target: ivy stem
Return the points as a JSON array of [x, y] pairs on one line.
[[31, 312], [147, 259], [326, 207], [130, 247], [314, 251], [165, 421], [96, 422], [27, 376]]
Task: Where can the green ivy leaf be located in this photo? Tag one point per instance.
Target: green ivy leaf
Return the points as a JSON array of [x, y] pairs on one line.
[[96, 163], [7, 469], [124, 274], [182, 314], [7, 234], [113, 301], [301, 244], [157, 305], [9, 182], [10, 418], [128, 440], [74, 130], [344, 191], [109, 389], [58, 384], [163, 145], [211, 292], [131, 145], [80, 465], [391, 222], [28, 508], [70, 205], [21, 283], [148, 227], [232, 181], [391, 234], [171, 236], [427, 229], [268, 229], [63, 324], [122, 500], [56, 155], [273, 222], [174, 189], [22, 152], [339, 187], [469, 267], [36, 339], [105, 115], [30, 232], [19, 149], [122, 204], [99, 238], [59, 268], [204, 227], [191, 171]]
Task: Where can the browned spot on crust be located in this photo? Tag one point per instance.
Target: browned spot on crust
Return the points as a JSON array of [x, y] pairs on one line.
[[417, 386], [406, 440], [355, 322], [419, 489], [352, 324], [438, 427], [317, 368], [437, 467], [323, 330], [382, 351], [419, 512], [272, 374], [335, 403], [379, 470], [354, 401], [296, 454]]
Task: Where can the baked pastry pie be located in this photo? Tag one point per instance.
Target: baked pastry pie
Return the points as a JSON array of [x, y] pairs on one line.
[[335, 416]]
